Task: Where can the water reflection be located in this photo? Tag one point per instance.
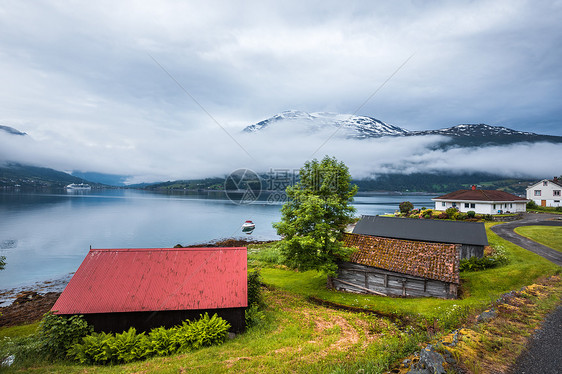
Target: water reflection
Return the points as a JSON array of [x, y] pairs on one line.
[[48, 235]]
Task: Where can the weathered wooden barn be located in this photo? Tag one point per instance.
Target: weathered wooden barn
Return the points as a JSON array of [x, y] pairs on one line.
[[470, 235], [394, 267], [145, 288]]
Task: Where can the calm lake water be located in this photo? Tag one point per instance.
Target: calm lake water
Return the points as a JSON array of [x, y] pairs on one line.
[[46, 236]]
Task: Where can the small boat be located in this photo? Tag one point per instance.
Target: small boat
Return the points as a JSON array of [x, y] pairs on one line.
[[248, 227], [78, 187]]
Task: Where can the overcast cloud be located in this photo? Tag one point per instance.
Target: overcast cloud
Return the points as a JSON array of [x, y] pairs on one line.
[[80, 79]]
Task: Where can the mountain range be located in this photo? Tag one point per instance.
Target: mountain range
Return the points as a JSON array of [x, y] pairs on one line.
[[363, 127], [342, 125]]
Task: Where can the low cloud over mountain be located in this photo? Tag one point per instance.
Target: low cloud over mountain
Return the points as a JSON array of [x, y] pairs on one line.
[[212, 152]]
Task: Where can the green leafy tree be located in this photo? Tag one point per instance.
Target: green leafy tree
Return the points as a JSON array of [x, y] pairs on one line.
[[2, 262], [406, 207], [315, 215]]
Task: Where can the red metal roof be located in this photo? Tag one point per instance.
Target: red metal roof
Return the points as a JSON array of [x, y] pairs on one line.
[[480, 195], [156, 279]]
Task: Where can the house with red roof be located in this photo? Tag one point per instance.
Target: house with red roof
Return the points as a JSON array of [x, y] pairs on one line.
[[481, 201], [115, 289]]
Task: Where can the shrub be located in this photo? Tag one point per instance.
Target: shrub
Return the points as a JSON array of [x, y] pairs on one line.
[[426, 213], [254, 289], [443, 216], [452, 212], [130, 346], [103, 348], [161, 341], [471, 214], [405, 207], [57, 334], [96, 348], [254, 316], [532, 205], [204, 332], [498, 258]]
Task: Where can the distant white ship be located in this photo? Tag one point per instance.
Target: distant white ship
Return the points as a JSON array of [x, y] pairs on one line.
[[78, 187]]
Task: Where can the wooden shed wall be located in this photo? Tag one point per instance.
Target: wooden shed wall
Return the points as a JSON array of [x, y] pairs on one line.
[[468, 251], [144, 321], [360, 278]]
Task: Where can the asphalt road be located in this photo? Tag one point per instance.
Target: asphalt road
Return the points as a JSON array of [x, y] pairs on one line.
[[505, 230], [544, 352]]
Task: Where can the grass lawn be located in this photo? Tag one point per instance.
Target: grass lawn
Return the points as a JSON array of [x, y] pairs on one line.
[[296, 336], [479, 288], [15, 331], [551, 236]]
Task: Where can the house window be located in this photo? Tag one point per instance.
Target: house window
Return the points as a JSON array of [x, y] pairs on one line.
[[454, 205], [466, 205], [443, 204], [556, 193], [537, 192], [473, 205], [494, 206], [545, 183]]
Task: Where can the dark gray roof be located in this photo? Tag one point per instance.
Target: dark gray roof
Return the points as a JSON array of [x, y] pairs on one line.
[[427, 230]]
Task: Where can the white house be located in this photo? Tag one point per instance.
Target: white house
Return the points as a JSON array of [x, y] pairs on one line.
[[481, 201], [546, 192]]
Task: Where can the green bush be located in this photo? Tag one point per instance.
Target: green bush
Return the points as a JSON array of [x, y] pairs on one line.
[[204, 332], [254, 316], [254, 288], [532, 205], [57, 334], [130, 346], [471, 214], [161, 341], [104, 348], [96, 348], [486, 262], [426, 213], [452, 212], [405, 207]]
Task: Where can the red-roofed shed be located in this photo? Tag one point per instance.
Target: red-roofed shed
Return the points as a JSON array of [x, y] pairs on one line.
[[118, 288]]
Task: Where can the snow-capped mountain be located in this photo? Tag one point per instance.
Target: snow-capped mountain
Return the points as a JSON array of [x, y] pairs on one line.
[[473, 130], [351, 126], [362, 127]]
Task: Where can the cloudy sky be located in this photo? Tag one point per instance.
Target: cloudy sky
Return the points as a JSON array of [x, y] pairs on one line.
[[160, 90]]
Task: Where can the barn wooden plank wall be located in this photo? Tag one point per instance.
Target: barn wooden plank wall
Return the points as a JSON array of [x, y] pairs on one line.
[[367, 279]]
